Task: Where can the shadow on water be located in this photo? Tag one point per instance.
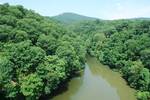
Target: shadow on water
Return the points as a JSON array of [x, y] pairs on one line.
[[63, 87]]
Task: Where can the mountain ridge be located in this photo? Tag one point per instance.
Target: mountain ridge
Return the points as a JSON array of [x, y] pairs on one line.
[[69, 17]]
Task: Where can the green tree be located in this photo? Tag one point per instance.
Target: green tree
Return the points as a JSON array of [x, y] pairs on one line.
[[145, 57], [143, 95], [67, 52], [52, 71], [7, 83], [26, 57], [31, 86], [48, 43]]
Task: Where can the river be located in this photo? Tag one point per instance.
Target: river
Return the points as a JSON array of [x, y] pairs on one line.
[[97, 82]]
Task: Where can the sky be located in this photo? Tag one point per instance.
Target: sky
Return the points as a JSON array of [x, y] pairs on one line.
[[104, 9]]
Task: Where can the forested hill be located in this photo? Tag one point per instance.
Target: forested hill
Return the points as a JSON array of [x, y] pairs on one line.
[[36, 54], [69, 18]]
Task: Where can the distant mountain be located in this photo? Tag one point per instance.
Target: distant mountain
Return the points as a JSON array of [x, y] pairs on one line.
[[141, 18], [68, 18]]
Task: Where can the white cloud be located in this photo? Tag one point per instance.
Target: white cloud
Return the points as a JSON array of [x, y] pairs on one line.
[[124, 12]]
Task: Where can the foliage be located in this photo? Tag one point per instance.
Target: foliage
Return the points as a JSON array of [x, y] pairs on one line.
[[52, 71], [31, 86], [143, 95], [37, 53], [48, 43]]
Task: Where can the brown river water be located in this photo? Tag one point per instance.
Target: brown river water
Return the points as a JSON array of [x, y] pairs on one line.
[[97, 82]]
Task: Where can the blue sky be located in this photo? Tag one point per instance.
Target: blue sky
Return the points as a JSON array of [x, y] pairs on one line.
[[104, 9]]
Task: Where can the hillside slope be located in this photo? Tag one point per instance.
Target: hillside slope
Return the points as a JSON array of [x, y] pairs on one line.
[[68, 18]]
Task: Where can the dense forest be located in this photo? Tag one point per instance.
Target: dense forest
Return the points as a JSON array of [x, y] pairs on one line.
[[36, 53], [39, 53]]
